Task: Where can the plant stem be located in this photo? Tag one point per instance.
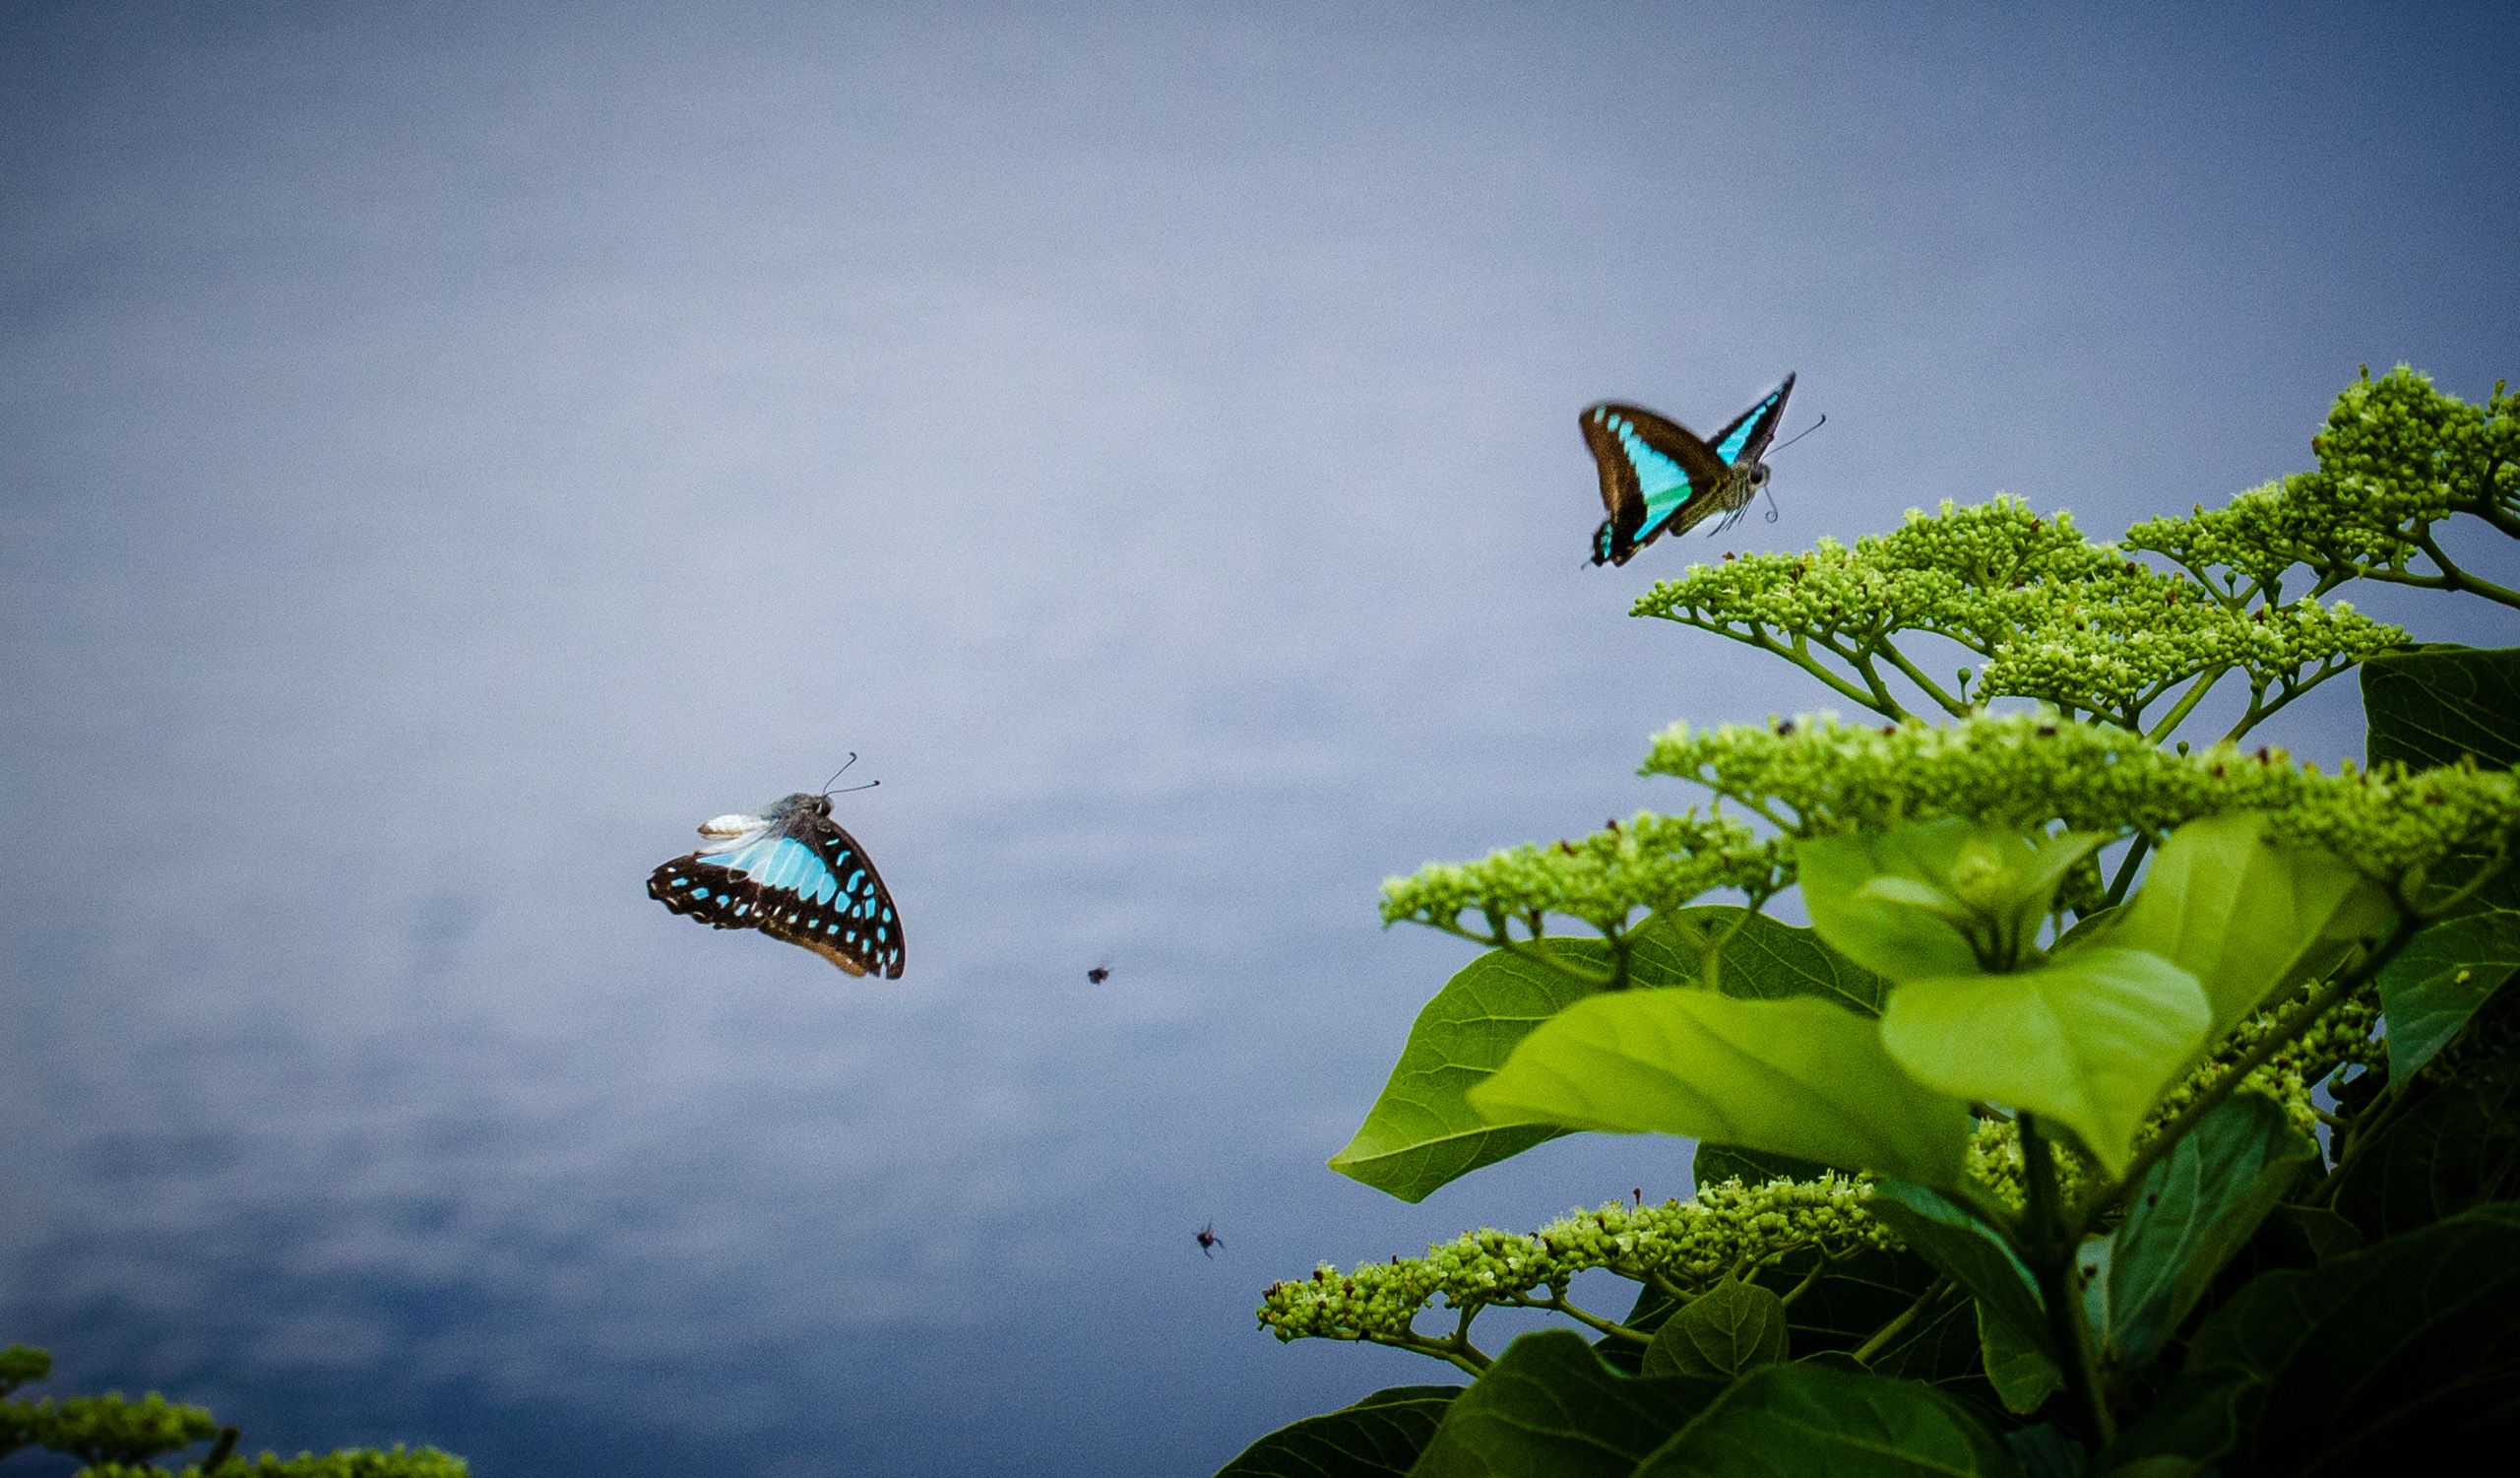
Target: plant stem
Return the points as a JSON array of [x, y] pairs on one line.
[[1556, 1302], [2195, 694], [1882, 1336], [2127, 865], [2053, 1249], [1955, 707]]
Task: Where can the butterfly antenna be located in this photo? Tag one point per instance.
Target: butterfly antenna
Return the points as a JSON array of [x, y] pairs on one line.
[[1798, 435], [842, 770]]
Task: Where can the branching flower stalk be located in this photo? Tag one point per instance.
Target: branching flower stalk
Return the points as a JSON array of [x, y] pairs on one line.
[[1679, 1248]]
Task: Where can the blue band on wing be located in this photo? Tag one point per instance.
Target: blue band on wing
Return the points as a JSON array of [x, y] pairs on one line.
[[1729, 448], [1662, 482]]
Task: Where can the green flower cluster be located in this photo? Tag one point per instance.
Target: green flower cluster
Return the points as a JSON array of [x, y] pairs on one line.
[[2397, 456], [1650, 862], [2054, 616], [2118, 646], [1819, 776], [1680, 1246], [2342, 1037], [1993, 1158]]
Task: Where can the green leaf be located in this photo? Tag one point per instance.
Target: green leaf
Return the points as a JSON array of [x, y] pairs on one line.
[[2366, 1364], [2438, 705], [1421, 1134], [1731, 1328], [2328, 1234], [1548, 1408], [2091, 1039], [1382, 1434], [2046, 1452], [1969, 1252], [2023, 1376], [2439, 980], [2193, 1210], [2457, 1147], [1810, 1419], [1714, 1164], [1946, 897], [1846, 883], [1796, 1077], [2431, 705], [1764, 960], [2247, 918]]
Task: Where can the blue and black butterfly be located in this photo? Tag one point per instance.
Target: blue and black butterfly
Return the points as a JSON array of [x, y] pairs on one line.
[[1658, 477], [794, 874]]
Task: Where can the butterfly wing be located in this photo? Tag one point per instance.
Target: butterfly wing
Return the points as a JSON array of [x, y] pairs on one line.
[[1747, 439], [1655, 476], [805, 881]]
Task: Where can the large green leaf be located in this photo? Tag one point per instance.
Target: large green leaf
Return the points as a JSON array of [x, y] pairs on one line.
[[2247, 918], [1548, 1408], [2090, 1039], [2438, 705], [1810, 1419], [1796, 1077], [1382, 1434], [2191, 1213], [1731, 1328], [1713, 1164], [1877, 901], [1764, 960], [1421, 1134], [1969, 1252], [2023, 1376], [2431, 705], [2400, 1358], [2439, 980], [2457, 1147], [1943, 897]]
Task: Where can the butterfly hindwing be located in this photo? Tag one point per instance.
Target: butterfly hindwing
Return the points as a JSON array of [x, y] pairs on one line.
[[797, 877]]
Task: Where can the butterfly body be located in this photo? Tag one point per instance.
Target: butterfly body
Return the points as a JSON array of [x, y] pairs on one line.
[[794, 874], [1658, 476]]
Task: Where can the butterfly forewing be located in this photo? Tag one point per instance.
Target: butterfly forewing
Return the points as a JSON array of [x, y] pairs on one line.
[[799, 877], [1747, 439]]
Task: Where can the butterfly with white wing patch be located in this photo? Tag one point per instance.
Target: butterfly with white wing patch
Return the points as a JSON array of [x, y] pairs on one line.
[[794, 874]]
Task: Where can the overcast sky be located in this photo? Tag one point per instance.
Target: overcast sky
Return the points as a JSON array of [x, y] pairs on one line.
[[449, 451]]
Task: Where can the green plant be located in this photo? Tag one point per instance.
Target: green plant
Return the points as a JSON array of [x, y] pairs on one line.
[[2130, 1106], [117, 1438]]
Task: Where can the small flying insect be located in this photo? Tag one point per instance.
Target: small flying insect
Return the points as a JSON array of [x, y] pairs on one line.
[[1098, 974], [1207, 1238]]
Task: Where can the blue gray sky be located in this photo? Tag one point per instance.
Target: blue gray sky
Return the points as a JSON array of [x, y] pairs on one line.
[[449, 451]]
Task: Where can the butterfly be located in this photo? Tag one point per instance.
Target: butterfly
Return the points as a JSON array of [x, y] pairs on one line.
[[794, 874], [1658, 477], [1098, 974]]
